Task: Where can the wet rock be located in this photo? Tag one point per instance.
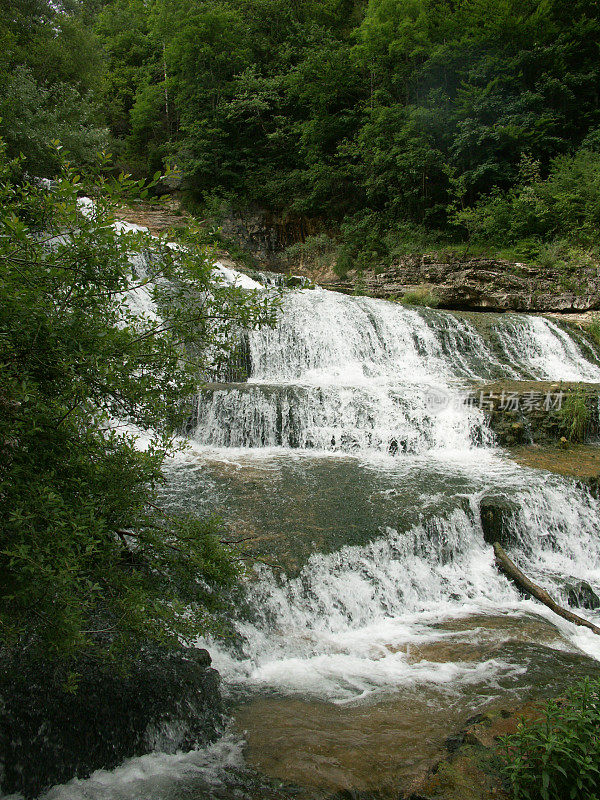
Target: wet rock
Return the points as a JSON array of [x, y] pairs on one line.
[[265, 236], [470, 770], [529, 412], [592, 483], [497, 515], [167, 701], [581, 595]]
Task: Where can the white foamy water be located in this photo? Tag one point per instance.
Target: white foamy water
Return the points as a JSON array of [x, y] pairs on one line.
[[344, 626], [157, 775], [538, 347], [357, 374], [325, 337]]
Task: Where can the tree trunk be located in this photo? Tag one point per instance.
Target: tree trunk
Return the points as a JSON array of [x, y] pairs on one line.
[[506, 566]]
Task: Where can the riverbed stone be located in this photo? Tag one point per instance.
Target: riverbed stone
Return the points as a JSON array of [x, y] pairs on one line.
[[166, 701], [497, 513], [581, 595]]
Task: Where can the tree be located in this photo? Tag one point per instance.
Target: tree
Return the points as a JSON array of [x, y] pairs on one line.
[[49, 70], [89, 560], [344, 113]]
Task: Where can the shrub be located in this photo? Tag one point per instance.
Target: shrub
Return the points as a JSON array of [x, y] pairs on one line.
[[575, 416], [407, 239], [594, 330], [558, 756], [318, 250], [421, 296], [564, 206], [90, 560]]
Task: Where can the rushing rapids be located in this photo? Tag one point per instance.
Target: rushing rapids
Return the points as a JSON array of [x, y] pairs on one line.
[[350, 459]]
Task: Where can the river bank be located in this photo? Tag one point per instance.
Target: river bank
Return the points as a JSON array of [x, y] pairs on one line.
[[455, 280]]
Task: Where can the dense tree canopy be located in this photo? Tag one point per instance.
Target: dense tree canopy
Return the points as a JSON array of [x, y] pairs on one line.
[[367, 117]]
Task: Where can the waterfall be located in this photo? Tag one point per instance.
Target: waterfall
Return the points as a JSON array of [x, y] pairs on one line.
[[353, 374], [344, 626], [360, 376], [540, 349]]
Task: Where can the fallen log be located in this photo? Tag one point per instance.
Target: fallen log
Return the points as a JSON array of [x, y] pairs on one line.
[[511, 571]]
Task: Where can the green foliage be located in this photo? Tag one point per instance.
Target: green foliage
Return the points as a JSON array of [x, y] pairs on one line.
[[406, 239], [594, 330], [574, 416], [565, 206], [392, 124], [33, 116], [421, 296], [49, 69], [89, 559], [557, 756], [317, 250]]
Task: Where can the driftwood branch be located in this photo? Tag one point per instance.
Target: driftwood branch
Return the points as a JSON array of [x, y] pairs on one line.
[[510, 569]]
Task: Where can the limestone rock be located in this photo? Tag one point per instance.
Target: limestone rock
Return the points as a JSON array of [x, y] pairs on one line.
[[496, 514], [166, 701], [484, 284]]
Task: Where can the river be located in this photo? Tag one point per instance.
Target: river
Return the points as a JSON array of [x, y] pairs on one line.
[[373, 621]]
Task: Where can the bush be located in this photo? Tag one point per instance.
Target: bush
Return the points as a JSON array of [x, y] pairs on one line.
[[362, 244], [421, 296], [409, 239], [558, 756], [565, 206], [90, 561], [318, 250], [575, 416], [594, 330]]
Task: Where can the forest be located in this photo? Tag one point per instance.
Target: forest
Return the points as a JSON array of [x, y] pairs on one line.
[[388, 127]]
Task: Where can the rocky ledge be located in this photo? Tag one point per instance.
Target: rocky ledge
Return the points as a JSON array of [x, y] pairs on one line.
[[539, 412], [51, 731], [456, 281], [157, 217], [481, 284]]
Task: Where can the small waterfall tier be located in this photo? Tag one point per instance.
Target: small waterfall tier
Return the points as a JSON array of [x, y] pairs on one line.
[[349, 374]]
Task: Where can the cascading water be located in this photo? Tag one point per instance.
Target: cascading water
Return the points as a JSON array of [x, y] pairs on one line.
[[537, 347], [351, 460], [358, 374]]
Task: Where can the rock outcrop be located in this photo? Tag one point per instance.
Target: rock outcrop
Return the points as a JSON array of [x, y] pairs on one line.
[[458, 282], [483, 284], [536, 412], [266, 236], [49, 733], [497, 514]]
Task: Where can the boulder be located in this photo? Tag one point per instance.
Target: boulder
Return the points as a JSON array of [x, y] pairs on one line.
[[581, 595], [497, 515], [50, 733]]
